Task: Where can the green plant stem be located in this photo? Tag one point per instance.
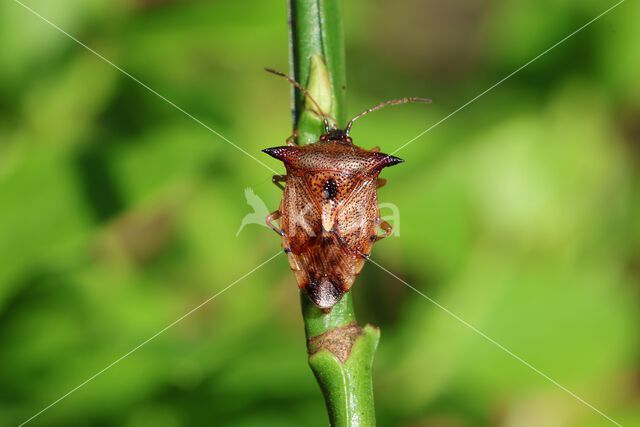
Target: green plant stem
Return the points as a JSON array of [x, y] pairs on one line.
[[340, 352], [316, 30], [341, 357]]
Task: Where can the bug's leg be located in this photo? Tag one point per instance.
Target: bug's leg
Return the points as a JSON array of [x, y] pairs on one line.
[[386, 227], [381, 182], [278, 180], [363, 255], [375, 149], [293, 139], [274, 216]]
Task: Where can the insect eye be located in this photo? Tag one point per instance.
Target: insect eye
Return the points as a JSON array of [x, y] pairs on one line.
[[330, 189]]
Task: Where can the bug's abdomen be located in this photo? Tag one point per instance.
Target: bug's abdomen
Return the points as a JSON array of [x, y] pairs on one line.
[[300, 217], [327, 237], [357, 219], [325, 269]]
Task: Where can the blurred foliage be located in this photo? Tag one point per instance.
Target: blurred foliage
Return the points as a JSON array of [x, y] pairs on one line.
[[118, 214]]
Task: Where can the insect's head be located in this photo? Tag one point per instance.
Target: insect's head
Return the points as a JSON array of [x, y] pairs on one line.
[[333, 133], [342, 135], [336, 135]]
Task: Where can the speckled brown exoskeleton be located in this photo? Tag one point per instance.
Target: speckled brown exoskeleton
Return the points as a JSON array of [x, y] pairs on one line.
[[329, 217]]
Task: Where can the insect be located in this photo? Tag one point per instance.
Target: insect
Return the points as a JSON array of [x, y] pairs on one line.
[[329, 218]]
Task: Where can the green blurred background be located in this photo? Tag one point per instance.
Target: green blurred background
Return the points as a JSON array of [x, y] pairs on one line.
[[118, 213]]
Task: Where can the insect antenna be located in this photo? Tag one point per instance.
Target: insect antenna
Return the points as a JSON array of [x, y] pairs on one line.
[[306, 93], [382, 105]]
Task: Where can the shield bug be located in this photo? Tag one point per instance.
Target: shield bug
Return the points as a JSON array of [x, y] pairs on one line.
[[329, 217]]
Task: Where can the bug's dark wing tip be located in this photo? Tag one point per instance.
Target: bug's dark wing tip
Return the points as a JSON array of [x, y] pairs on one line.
[[324, 293]]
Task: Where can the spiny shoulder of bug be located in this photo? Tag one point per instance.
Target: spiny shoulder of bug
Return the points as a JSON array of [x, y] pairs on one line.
[[334, 150]]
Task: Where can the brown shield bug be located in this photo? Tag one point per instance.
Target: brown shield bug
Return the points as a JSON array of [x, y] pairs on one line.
[[329, 217]]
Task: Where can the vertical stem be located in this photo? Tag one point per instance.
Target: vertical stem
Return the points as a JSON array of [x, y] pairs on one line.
[[315, 30], [340, 352]]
